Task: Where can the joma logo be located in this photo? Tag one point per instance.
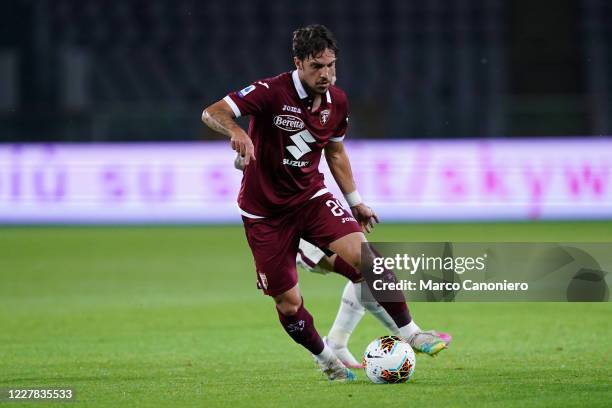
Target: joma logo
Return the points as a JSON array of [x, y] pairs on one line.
[[293, 109]]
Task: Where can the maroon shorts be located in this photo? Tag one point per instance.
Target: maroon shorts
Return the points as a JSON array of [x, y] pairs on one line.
[[274, 240]]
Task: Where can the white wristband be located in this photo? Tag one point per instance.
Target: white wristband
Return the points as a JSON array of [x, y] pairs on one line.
[[353, 198]]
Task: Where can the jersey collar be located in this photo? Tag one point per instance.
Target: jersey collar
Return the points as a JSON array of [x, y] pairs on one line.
[[300, 88], [298, 85]]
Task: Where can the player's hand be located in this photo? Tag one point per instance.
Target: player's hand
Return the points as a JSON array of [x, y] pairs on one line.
[[365, 216], [243, 145]]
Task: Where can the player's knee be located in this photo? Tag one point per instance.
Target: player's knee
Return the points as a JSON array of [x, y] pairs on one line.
[[288, 305], [288, 309]]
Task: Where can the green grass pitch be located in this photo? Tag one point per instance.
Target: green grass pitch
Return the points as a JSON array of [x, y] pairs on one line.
[[169, 316]]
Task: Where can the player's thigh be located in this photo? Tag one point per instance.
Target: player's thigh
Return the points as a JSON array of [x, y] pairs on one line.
[[325, 221], [349, 247], [274, 244]]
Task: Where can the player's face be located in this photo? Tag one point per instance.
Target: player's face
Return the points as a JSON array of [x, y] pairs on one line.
[[318, 72]]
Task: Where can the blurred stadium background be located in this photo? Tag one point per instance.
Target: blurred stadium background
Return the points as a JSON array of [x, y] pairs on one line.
[[489, 75], [90, 70]]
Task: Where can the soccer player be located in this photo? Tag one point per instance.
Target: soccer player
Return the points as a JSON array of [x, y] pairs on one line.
[[352, 307], [295, 116]]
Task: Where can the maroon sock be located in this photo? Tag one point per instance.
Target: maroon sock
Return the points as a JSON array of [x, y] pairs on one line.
[[300, 327], [345, 269], [398, 310]]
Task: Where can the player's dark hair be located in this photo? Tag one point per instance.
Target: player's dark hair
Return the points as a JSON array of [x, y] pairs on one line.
[[312, 40]]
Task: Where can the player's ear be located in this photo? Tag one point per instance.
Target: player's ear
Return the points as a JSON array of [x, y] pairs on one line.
[[298, 64]]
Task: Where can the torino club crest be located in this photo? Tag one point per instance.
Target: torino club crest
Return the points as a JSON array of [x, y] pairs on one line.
[[324, 117]]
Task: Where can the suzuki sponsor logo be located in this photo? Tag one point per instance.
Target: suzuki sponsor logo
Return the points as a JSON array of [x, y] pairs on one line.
[[289, 123], [301, 141], [295, 163]]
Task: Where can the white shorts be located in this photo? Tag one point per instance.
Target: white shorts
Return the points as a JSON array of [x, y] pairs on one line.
[[309, 256]]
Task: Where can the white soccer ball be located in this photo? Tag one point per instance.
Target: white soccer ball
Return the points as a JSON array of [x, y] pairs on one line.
[[389, 359]]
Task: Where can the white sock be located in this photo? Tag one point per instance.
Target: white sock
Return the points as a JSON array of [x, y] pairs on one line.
[[326, 355], [376, 309], [349, 315], [409, 330]]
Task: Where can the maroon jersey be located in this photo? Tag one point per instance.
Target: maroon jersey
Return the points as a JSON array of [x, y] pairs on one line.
[[288, 140]]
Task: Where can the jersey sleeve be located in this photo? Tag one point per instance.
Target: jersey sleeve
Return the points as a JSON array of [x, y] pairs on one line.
[[251, 100], [340, 132]]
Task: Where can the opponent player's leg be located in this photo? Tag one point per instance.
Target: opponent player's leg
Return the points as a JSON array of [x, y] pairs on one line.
[[349, 248], [352, 308], [313, 259], [352, 294], [350, 313], [355, 296]]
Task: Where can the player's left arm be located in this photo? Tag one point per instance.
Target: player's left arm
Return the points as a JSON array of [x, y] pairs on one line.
[[340, 167]]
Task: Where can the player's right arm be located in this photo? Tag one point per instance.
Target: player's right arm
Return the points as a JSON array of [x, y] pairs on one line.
[[220, 117]]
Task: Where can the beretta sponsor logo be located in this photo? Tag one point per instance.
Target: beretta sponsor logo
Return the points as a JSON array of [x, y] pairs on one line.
[[289, 123]]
